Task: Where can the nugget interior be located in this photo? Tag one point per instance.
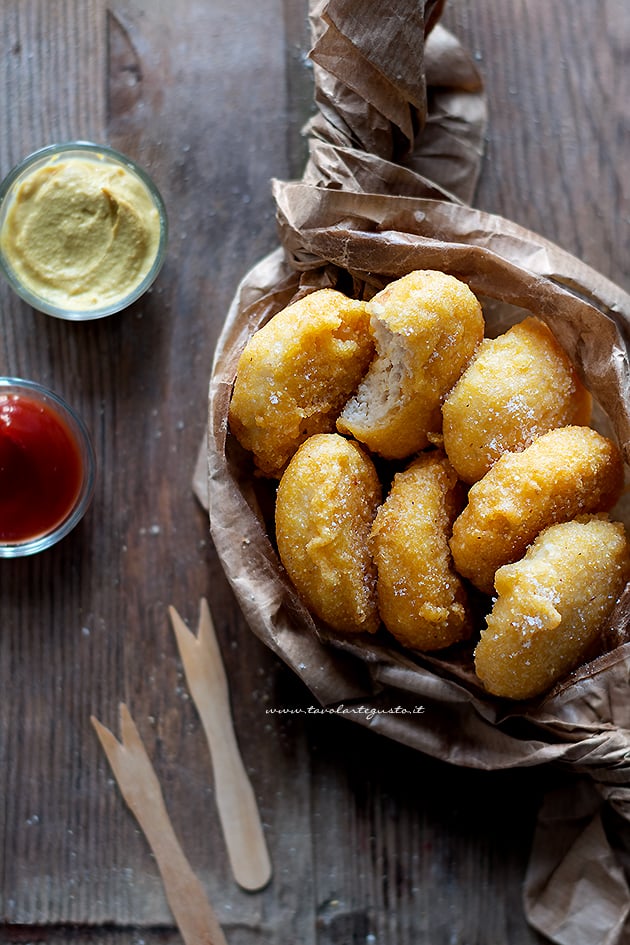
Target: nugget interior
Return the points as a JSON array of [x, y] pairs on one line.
[[426, 327], [467, 500]]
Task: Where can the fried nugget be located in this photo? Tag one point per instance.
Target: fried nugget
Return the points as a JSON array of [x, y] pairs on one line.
[[518, 386], [326, 503], [563, 473], [551, 606], [427, 326], [296, 373], [421, 600]]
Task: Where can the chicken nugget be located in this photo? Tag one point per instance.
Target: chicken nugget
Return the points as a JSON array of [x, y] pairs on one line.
[[325, 506], [551, 606], [563, 473], [296, 373], [426, 326], [421, 600], [518, 386]]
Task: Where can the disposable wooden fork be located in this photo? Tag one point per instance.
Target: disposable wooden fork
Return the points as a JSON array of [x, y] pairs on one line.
[[140, 788], [236, 803]]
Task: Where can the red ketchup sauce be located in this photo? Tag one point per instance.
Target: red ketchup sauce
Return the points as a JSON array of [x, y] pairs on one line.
[[41, 469]]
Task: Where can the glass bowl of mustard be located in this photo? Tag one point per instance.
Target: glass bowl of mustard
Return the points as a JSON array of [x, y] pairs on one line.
[[83, 230], [47, 468]]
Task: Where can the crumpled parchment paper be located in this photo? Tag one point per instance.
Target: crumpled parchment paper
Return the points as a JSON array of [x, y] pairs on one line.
[[395, 150]]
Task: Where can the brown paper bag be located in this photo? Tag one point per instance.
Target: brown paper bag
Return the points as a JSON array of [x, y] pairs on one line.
[[384, 193]]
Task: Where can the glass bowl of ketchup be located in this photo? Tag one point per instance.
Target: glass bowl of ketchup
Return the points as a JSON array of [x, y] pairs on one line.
[[47, 468]]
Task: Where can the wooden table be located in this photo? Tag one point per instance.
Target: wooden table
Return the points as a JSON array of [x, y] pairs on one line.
[[370, 841]]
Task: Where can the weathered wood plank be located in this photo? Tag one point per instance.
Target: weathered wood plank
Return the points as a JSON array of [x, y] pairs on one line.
[[370, 842], [85, 625], [558, 89]]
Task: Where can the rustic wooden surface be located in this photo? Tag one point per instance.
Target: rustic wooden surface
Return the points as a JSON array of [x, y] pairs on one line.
[[370, 842]]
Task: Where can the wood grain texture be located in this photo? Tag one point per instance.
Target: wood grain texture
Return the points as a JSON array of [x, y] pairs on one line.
[[136, 778], [370, 842], [559, 121], [235, 801]]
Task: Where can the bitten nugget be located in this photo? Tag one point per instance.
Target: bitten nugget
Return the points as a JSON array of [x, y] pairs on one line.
[[421, 600], [296, 373], [426, 328], [518, 386], [551, 606], [325, 506], [563, 473]]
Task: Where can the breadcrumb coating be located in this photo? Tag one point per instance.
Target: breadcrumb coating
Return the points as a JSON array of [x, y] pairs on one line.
[[325, 506], [551, 606], [421, 599], [296, 373], [505, 485], [518, 386], [563, 473], [426, 326]]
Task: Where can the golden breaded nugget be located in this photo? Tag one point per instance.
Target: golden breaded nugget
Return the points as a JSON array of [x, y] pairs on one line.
[[426, 327], [296, 373], [421, 600], [563, 473], [325, 506], [551, 606], [517, 386]]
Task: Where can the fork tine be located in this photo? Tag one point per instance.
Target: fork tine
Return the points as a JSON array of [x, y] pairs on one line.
[[140, 789]]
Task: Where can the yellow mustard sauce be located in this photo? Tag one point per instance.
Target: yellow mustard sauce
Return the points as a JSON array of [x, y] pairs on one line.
[[81, 233]]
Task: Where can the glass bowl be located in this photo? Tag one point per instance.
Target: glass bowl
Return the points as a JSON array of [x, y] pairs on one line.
[[47, 468], [83, 230]]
